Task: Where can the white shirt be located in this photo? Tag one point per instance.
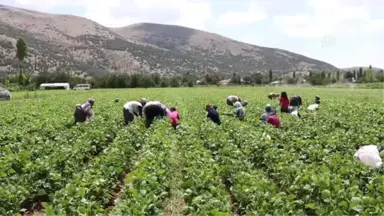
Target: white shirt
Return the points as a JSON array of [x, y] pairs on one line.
[[133, 107], [313, 107], [369, 155]]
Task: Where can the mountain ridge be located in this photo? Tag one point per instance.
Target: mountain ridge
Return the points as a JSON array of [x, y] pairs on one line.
[[74, 44]]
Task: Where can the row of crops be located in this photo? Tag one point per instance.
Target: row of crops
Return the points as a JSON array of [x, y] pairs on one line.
[[48, 166]]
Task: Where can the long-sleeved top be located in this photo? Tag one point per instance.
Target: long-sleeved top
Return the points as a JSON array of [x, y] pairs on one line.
[[274, 120], [134, 107], [153, 109], [264, 116], [233, 98], [295, 101], [239, 110], [284, 103], [174, 116], [214, 116]]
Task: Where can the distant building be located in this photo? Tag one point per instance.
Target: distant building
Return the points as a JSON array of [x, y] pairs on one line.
[[51, 86], [277, 82]]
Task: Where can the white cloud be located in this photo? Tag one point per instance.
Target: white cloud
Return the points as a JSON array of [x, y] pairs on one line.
[[331, 17], [116, 13], [253, 14]]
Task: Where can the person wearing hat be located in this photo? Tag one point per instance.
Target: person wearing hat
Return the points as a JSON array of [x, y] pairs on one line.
[[268, 112], [132, 109], [213, 114], [152, 110], [84, 111]]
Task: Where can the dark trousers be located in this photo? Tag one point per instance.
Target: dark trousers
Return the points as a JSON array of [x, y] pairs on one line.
[[128, 116], [284, 110], [79, 115]]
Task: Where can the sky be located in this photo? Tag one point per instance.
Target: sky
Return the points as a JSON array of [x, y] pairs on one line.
[[344, 33]]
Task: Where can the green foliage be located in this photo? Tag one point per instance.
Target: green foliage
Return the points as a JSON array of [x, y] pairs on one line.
[[21, 49], [238, 168]]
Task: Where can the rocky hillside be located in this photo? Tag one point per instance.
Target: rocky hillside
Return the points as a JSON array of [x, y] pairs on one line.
[[79, 45]]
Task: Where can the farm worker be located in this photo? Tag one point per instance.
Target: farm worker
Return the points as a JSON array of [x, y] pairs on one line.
[[268, 112], [84, 111], [152, 110], [173, 115], [274, 120], [295, 102], [239, 111], [284, 103], [213, 114], [370, 155], [132, 109], [232, 99], [315, 106], [273, 95]]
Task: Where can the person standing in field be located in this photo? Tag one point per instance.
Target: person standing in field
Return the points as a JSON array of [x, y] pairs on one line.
[[84, 111], [213, 114], [284, 103], [132, 109], [173, 115], [152, 110]]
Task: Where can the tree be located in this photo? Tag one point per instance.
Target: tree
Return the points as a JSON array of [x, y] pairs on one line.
[[369, 74], [294, 74], [360, 72], [348, 75], [338, 75], [270, 75], [21, 53], [236, 79], [323, 74]]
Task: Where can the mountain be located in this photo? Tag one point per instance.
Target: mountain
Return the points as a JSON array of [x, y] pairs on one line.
[[79, 45]]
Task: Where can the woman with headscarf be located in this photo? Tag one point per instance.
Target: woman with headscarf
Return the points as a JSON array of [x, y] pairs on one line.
[[84, 112]]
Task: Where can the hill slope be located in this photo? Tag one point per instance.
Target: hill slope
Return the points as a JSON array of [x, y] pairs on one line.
[[79, 45]]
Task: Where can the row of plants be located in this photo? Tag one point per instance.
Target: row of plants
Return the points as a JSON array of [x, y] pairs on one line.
[[148, 186], [91, 191]]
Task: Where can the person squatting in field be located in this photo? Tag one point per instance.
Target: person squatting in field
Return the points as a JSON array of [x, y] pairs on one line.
[[239, 111], [84, 112], [212, 113], [284, 103], [294, 105], [132, 109], [152, 110], [270, 117], [173, 115], [273, 95], [315, 106]]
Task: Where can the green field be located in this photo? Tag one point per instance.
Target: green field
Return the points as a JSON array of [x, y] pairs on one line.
[[239, 167]]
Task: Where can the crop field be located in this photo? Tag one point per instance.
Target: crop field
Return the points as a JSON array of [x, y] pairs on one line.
[[238, 168]]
